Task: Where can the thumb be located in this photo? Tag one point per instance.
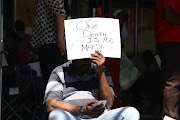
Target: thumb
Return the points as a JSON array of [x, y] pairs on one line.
[[90, 103]]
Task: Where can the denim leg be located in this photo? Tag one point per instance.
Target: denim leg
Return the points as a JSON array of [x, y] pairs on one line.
[[123, 113], [59, 114]]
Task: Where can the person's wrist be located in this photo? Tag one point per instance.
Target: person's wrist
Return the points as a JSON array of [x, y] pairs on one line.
[[80, 111], [84, 110], [100, 73]]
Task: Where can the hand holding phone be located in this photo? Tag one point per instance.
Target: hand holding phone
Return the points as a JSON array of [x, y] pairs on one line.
[[103, 102]]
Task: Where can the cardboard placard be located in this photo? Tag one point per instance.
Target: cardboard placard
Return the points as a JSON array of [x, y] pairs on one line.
[[85, 35]]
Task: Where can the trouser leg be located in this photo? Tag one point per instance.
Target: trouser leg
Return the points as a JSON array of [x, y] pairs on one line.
[[123, 113], [50, 57], [59, 114]]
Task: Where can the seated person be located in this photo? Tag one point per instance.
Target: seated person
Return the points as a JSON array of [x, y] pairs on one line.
[[16, 70], [24, 46], [13, 64], [75, 86]]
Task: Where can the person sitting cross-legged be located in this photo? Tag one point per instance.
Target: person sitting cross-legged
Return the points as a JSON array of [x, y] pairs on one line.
[[76, 85]]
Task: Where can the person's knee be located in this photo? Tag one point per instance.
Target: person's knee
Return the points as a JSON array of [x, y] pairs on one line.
[[57, 114], [133, 112]]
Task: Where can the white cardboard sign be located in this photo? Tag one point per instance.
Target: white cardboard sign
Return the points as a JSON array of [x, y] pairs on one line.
[[85, 35]]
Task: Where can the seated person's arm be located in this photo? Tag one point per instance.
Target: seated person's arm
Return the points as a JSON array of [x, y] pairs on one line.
[[88, 110], [54, 96], [53, 104], [105, 91]]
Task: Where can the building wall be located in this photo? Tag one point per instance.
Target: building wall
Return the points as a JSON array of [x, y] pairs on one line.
[[25, 10]]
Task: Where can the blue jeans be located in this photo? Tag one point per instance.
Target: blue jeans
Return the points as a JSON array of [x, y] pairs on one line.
[[123, 113]]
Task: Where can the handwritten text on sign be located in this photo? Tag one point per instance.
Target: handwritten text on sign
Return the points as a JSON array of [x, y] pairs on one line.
[[85, 35]]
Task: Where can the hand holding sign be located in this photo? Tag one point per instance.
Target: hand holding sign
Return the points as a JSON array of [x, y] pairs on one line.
[[85, 35], [99, 59]]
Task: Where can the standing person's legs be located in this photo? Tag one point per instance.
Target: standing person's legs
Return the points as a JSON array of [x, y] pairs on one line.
[[50, 57], [170, 66]]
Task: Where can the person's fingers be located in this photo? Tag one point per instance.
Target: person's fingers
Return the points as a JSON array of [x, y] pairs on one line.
[[96, 61], [98, 110], [95, 58], [99, 53], [101, 110], [97, 114], [63, 50], [91, 102], [100, 107], [96, 55]]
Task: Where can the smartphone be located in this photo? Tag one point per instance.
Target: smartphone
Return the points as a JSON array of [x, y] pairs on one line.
[[103, 102]]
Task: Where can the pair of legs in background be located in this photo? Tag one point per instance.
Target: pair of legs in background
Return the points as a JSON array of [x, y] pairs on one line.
[[123, 113], [50, 57], [170, 67]]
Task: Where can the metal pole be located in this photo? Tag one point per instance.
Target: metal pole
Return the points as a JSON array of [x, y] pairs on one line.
[[1, 31], [15, 9], [1, 38], [136, 30]]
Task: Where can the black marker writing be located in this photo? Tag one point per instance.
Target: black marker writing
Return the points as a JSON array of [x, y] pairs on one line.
[[108, 40], [94, 38], [83, 25], [88, 47]]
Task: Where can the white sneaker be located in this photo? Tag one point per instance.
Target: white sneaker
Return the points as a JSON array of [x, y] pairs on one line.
[[168, 118]]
